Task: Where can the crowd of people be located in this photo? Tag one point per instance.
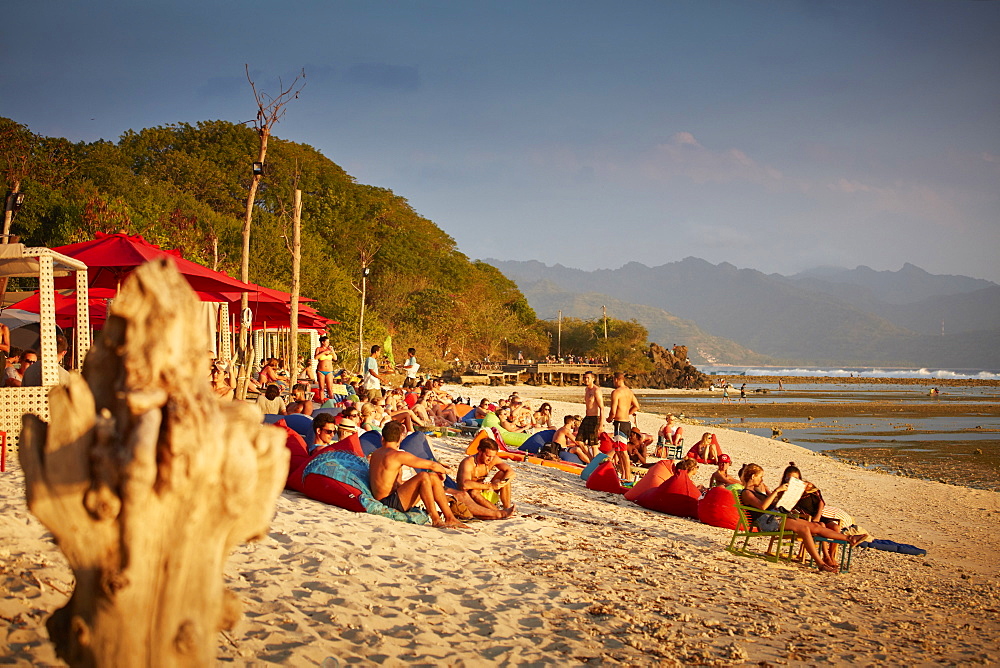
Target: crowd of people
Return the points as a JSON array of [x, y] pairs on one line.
[[483, 491]]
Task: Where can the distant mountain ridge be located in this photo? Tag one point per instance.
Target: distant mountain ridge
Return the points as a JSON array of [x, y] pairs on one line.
[[857, 317]]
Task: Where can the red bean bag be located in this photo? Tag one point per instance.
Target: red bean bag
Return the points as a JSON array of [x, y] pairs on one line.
[[334, 492], [605, 479], [718, 508], [351, 444], [606, 445], [655, 476], [299, 456], [677, 496]]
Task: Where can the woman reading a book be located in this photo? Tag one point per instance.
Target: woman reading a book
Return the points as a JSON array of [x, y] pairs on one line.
[[752, 476]]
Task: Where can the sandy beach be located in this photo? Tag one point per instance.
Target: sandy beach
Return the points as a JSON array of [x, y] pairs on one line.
[[577, 577]]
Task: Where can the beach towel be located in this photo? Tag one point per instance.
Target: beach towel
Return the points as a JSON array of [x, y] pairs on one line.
[[341, 479], [892, 546]]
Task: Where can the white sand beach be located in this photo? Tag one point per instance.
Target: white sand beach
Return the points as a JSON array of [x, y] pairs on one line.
[[577, 577]]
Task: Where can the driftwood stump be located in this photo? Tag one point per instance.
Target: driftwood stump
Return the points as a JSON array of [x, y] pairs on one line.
[[147, 482]]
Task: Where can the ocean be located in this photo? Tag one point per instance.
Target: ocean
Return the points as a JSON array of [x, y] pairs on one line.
[[857, 372]]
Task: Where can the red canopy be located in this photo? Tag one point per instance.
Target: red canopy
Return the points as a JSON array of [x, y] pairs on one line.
[[66, 307], [112, 257]]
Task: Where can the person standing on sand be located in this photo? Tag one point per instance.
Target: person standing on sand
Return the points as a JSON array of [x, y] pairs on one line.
[[593, 402], [385, 475], [472, 474], [623, 406], [370, 373], [411, 367], [725, 393], [743, 393]]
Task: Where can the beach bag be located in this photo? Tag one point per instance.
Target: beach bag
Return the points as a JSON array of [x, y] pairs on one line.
[[459, 509], [550, 451]]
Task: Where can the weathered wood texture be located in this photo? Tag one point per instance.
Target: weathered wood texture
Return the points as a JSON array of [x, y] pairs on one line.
[[147, 482]]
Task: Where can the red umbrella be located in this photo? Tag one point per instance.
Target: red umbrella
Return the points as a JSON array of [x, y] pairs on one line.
[[112, 257]]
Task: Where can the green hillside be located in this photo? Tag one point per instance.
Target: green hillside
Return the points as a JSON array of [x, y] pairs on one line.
[[185, 187]]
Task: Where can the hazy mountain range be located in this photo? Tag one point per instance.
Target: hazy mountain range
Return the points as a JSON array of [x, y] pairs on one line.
[[824, 316]]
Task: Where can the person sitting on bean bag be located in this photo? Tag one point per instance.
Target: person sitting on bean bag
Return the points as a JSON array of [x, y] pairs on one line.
[[722, 477], [705, 451]]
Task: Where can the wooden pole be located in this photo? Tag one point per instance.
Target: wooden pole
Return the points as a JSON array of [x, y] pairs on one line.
[[293, 345]]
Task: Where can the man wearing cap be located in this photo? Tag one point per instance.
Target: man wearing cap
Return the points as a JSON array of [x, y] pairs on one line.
[[722, 477]]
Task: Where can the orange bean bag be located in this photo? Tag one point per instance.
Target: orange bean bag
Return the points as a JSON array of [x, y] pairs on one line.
[[605, 479], [655, 476], [718, 508], [677, 496]]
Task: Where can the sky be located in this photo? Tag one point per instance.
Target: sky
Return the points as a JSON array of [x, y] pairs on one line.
[[777, 135]]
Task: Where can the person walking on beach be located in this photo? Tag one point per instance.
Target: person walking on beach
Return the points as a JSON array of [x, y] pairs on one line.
[[743, 393], [590, 427], [385, 475], [623, 406], [472, 473], [725, 393]]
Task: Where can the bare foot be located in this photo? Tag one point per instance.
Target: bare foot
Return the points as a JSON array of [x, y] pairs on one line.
[[507, 512], [829, 568], [454, 523], [854, 540]]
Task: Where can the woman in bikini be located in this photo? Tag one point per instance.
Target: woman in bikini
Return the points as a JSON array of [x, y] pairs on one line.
[[752, 476], [542, 419], [325, 357]]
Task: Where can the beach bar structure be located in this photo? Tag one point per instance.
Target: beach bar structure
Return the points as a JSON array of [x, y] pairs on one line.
[[555, 373], [16, 260]]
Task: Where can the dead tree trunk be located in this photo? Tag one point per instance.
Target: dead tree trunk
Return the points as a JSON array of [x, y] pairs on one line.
[[147, 481]]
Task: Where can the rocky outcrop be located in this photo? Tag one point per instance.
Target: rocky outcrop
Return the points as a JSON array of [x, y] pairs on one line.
[[672, 369]]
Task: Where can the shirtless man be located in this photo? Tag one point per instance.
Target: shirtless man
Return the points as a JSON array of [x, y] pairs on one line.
[[564, 437], [385, 477], [623, 406], [594, 413], [472, 474]]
